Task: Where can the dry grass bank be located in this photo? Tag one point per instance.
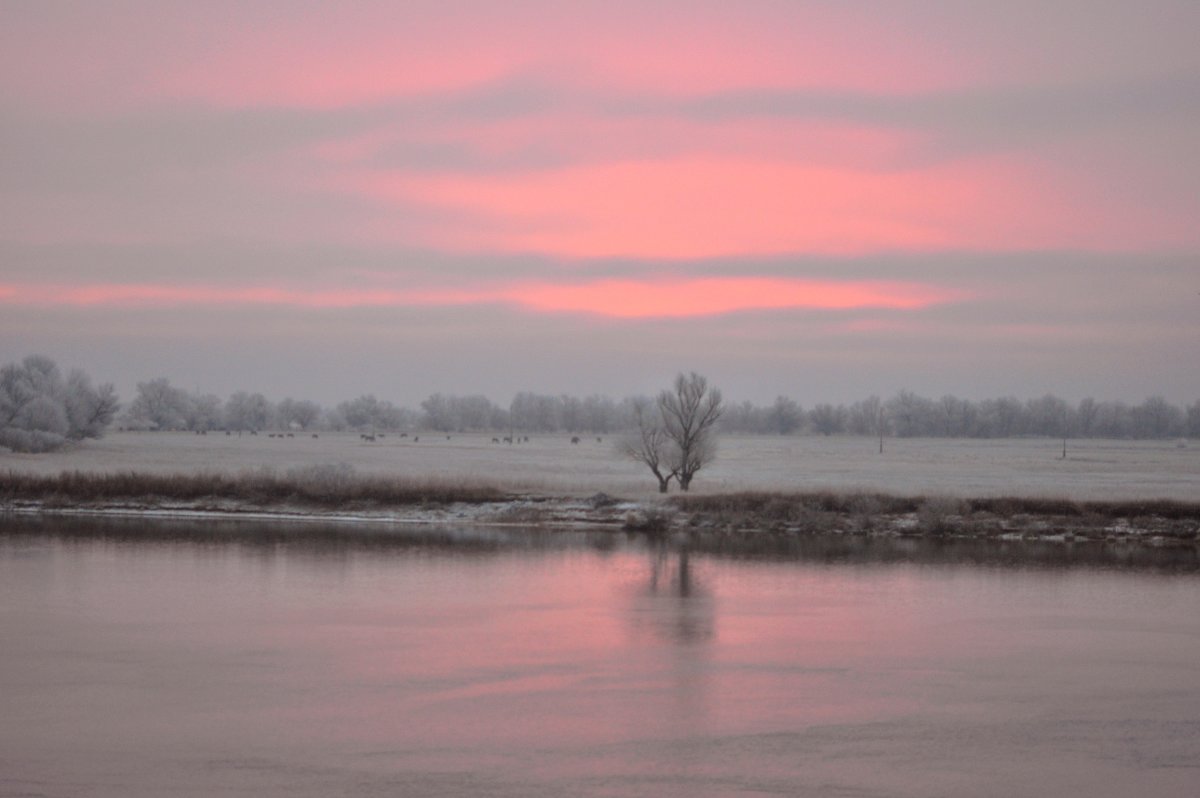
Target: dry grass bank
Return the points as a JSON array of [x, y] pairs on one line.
[[323, 487], [1013, 516]]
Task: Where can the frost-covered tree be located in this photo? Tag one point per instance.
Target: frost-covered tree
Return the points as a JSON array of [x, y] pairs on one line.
[[300, 413], [827, 419], [368, 412], [159, 405], [785, 416], [648, 444], [247, 411], [203, 412], [40, 411], [690, 410]]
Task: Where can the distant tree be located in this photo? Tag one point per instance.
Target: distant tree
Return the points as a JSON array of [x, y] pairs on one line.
[[302, 413], [911, 415], [368, 412], [1193, 420], [1044, 416], [690, 411], [827, 419], [600, 414], [1085, 417], [439, 413], [785, 416], [159, 405], [957, 416], [570, 413], [1000, 418], [1157, 418], [247, 411], [89, 410], [39, 411], [203, 412]]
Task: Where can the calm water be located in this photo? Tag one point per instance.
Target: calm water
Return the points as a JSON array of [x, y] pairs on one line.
[[180, 660]]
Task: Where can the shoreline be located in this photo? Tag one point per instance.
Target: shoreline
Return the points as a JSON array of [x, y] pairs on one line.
[[738, 517]]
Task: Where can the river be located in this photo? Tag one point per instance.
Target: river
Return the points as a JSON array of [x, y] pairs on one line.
[[205, 658]]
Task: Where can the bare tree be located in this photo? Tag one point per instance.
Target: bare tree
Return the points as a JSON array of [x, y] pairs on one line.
[[649, 444], [690, 411]]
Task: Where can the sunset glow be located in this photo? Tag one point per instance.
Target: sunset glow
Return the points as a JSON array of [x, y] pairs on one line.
[[968, 168], [614, 298]]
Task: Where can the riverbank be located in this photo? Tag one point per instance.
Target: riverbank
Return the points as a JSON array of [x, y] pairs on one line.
[[334, 495]]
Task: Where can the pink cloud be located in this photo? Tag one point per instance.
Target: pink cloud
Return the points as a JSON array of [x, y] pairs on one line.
[[344, 54], [695, 207], [628, 299]]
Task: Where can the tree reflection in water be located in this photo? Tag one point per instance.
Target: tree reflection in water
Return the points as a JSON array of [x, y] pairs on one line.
[[673, 604]]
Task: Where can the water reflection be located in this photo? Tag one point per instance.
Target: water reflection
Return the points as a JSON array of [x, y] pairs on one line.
[[331, 540], [317, 659], [672, 603]]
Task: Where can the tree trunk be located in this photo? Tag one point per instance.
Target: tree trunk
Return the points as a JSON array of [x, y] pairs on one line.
[[664, 484]]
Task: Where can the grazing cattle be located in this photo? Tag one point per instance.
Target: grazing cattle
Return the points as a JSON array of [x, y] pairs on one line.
[[575, 439], [599, 440], [403, 434], [290, 435], [416, 438], [447, 437], [315, 435], [508, 440], [382, 435], [495, 440], [227, 433]]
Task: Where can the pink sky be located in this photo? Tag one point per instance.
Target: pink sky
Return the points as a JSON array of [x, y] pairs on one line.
[[803, 166]]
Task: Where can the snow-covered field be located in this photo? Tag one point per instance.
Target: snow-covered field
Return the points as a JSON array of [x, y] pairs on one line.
[[551, 463]]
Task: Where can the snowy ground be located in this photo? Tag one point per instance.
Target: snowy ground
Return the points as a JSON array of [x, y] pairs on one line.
[[552, 464]]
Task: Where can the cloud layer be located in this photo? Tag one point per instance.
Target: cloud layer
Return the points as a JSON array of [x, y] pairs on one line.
[[759, 166]]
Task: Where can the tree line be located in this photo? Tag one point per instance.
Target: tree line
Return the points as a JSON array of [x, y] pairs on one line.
[[159, 405], [41, 409], [909, 415]]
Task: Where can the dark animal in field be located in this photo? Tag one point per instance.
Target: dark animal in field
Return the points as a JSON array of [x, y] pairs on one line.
[[403, 434], [508, 440], [382, 435], [599, 440], [315, 435], [447, 437], [416, 438], [228, 433], [290, 435], [575, 439], [365, 437], [495, 440], [527, 439]]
